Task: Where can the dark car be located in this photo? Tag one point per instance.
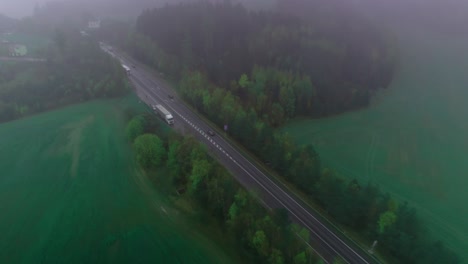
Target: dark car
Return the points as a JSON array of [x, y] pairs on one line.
[[211, 133], [133, 66], [170, 96]]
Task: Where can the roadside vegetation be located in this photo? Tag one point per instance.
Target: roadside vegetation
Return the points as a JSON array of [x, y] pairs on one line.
[[261, 236], [254, 72]]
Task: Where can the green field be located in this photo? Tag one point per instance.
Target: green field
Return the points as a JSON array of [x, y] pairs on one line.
[[413, 139], [34, 43], [70, 192]]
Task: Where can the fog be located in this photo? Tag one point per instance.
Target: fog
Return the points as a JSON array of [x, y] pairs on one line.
[[449, 15], [22, 8], [18, 8], [318, 75]]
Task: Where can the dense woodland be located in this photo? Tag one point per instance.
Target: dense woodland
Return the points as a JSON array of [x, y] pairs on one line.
[[254, 71], [262, 236], [227, 41], [76, 70]]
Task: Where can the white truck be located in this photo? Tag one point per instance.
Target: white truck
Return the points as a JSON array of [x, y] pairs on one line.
[[126, 68], [164, 114]]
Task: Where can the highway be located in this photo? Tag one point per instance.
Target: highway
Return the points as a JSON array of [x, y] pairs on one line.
[[152, 89]]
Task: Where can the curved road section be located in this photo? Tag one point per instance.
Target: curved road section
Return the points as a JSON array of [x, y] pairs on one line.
[[325, 242]]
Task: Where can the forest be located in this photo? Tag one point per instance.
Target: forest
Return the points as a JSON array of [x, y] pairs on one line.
[[254, 71], [76, 70], [226, 41]]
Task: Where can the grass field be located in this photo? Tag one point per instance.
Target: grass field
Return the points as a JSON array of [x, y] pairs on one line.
[[413, 140], [70, 193]]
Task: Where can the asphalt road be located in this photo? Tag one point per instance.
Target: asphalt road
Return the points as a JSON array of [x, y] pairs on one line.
[[326, 243]]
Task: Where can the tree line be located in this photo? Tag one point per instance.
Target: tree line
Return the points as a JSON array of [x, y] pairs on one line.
[[261, 236], [76, 71]]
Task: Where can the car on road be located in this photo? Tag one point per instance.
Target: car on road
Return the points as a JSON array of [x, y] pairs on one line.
[[133, 66], [211, 133], [170, 96]]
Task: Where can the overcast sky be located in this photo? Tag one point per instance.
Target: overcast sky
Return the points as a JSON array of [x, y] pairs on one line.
[[22, 8], [18, 8]]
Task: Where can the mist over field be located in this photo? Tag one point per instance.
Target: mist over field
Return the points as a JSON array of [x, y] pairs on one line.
[[452, 15], [358, 105], [22, 8]]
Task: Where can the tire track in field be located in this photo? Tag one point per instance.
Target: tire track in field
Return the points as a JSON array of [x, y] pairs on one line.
[[370, 158]]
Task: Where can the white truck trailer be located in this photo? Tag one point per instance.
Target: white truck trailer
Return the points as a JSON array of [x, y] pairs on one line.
[[126, 68], [164, 114]]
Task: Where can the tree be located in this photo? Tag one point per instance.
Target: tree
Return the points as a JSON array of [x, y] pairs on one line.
[[172, 163], [233, 212], [276, 257], [244, 81], [229, 107], [134, 128], [305, 168], [305, 95], [288, 100], [200, 170], [300, 258], [386, 219], [260, 243], [304, 234], [277, 115], [149, 150]]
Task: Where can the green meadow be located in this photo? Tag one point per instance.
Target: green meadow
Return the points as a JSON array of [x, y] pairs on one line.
[[70, 192], [413, 139]]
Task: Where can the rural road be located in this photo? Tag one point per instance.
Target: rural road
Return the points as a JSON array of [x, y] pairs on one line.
[[325, 242]]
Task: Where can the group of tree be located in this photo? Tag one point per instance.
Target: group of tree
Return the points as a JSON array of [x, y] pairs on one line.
[[226, 41], [262, 236], [76, 70], [252, 71]]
